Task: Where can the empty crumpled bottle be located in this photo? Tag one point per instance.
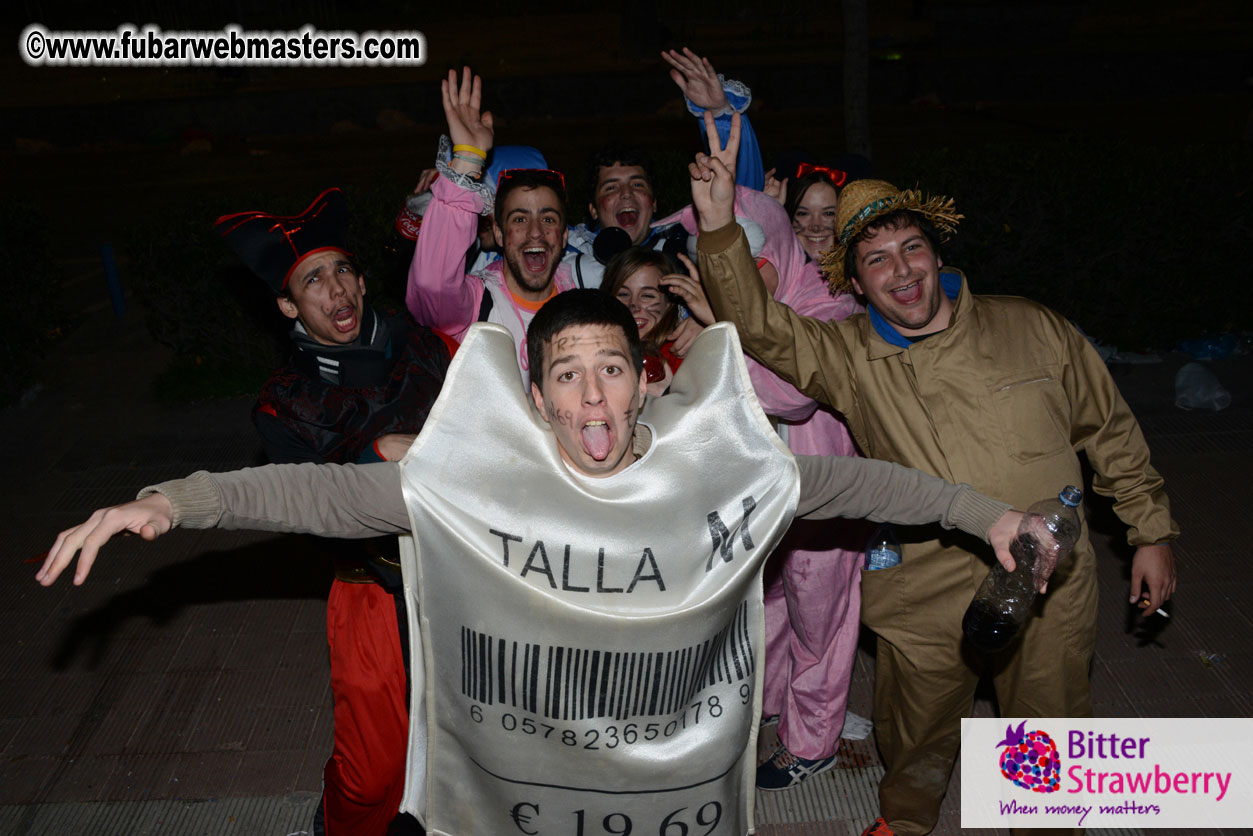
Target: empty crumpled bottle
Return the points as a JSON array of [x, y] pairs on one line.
[[1047, 534]]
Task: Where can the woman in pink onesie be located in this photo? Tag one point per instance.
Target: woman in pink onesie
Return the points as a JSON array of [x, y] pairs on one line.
[[813, 581]]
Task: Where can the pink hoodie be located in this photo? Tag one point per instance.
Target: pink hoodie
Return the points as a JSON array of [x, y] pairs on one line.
[[440, 294]]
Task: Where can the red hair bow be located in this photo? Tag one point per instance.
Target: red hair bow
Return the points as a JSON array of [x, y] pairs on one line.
[[835, 175]]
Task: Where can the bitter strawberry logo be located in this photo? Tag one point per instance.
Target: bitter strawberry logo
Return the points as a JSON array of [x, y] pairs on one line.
[[1030, 759]]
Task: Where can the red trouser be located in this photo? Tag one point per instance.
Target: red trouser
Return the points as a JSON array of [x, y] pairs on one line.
[[365, 776]]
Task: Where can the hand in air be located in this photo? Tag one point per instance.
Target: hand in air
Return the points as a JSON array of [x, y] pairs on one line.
[[466, 124], [775, 188], [696, 78], [713, 177]]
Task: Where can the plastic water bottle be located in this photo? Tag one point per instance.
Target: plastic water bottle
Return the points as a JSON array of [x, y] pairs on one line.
[[884, 550], [1045, 536]]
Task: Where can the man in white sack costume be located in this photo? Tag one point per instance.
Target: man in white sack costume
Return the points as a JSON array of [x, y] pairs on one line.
[[584, 588]]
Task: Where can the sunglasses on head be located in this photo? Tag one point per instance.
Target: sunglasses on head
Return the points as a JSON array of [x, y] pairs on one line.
[[534, 175], [836, 176]]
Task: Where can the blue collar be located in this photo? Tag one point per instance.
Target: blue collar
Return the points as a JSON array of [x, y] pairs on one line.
[[952, 285]]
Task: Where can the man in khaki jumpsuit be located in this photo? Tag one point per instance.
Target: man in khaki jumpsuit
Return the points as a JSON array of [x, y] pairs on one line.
[[998, 392]]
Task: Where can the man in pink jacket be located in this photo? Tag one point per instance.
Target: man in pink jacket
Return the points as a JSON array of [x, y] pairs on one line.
[[529, 224]]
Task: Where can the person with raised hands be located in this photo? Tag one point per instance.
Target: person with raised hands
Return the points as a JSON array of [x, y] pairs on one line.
[[998, 392], [706, 91], [576, 463], [622, 186], [528, 210], [812, 582]]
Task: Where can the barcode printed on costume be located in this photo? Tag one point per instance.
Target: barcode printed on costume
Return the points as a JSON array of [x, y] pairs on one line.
[[576, 683]]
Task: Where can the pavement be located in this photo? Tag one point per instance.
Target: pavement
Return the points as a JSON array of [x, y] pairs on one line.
[[184, 688]]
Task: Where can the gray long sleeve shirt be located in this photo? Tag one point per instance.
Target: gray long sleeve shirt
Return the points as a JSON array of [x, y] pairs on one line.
[[351, 501]]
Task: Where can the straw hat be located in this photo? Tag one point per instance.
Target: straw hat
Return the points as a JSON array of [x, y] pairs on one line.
[[861, 202]]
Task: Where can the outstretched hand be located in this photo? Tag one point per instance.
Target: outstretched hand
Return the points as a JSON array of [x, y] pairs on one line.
[[713, 177], [466, 124], [696, 78], [149, 517]]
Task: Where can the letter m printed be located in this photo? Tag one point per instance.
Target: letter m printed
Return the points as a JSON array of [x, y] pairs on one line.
[[722, 537]]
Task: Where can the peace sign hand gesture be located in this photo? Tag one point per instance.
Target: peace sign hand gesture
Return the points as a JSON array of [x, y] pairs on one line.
[[713, 177]]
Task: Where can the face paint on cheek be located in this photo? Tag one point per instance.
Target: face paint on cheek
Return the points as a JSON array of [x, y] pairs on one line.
[[565, 419]]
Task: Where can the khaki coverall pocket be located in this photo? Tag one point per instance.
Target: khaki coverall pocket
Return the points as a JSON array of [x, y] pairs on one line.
[[1028, 409]]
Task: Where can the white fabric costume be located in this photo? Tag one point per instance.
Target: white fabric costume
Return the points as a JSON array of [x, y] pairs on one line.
[[587, 652]]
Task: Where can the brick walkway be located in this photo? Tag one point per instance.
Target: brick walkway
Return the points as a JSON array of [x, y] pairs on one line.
[[184, 688]]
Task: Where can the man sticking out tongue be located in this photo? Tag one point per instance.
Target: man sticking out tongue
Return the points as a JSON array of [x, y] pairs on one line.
[[659, 587], [590, 397]]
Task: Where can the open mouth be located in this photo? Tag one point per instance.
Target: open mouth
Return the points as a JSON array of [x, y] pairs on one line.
[[908, 294], [597, 440], [536, 259], [344, 319], [627, 217]]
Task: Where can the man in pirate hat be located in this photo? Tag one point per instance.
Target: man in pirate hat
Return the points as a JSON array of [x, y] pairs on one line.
[[358, 388], [997, 392]]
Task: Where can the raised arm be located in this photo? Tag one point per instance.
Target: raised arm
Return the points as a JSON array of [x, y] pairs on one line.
[[438, 294], [806, 352], [342, 501], [707, 92], [777, 397]]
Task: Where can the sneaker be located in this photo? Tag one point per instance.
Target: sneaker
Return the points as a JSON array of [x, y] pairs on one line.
[[784, 770], [878, 828]]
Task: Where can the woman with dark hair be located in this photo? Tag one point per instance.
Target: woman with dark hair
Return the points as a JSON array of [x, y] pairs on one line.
[[810, 193], [634, 277], [810, 204], [812, 587]]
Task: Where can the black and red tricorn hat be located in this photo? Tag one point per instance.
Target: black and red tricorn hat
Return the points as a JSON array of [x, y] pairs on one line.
[[272, 245]]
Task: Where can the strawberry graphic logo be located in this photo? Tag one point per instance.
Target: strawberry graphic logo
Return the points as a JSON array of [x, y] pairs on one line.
[[1030, 759]]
